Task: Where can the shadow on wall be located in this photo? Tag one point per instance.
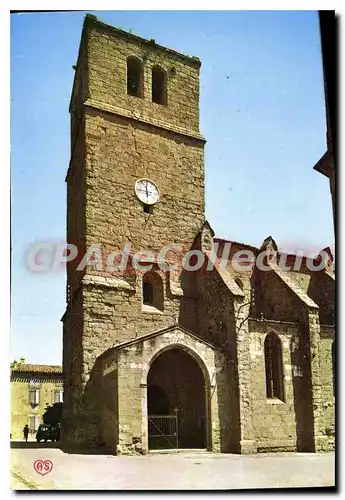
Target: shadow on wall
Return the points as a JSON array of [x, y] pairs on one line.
[[228, 404], [88, 422], [228, 394], [302, 391], [322, 290]]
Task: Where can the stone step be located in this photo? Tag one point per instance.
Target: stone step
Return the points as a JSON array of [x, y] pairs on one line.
[[180, 451]]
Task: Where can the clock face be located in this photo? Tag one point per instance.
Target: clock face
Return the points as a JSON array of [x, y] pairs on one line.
[[146, 191]]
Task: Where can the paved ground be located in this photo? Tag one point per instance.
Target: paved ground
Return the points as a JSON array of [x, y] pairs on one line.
[[179, 471]]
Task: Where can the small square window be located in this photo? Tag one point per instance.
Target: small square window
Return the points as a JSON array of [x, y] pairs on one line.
[[148, 209]]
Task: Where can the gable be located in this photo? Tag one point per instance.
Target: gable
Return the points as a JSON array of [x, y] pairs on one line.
[[175, 329]]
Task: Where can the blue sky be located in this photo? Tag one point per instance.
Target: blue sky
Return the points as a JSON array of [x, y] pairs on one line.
[[262, 113]]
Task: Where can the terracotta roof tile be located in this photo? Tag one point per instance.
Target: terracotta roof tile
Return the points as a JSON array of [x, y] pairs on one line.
[[23, 367], [236, 243]]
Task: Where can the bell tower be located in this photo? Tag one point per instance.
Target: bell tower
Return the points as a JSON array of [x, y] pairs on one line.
[[136, 176], [136, 172]]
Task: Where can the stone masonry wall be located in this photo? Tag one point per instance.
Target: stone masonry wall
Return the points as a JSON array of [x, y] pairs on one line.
[[109, 316], [216, 308], [223, 320], [109, 415], [328, 383], [274, 420], [108, 50], [287, 308], [75, 219], [118, 153], [322, 291], [72, 361]]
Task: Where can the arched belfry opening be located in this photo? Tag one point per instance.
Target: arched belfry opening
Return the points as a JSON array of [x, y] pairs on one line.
[[177, 402], [134, 77], [159, 85]]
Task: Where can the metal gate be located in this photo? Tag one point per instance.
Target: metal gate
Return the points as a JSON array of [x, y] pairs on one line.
[[163, 432]]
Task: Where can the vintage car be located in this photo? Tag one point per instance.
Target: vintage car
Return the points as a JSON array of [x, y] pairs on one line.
[[48, 432]]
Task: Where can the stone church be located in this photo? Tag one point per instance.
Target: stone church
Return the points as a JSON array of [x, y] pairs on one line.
[[216, 357]]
